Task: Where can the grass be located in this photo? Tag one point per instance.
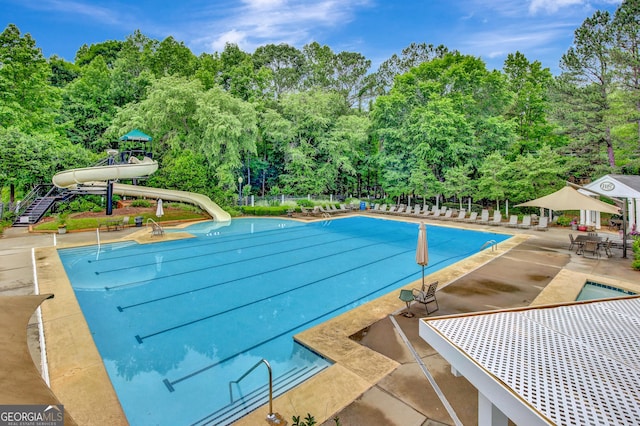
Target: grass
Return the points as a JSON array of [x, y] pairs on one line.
[[74, 224]]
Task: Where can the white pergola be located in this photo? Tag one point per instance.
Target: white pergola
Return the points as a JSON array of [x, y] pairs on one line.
[[573, 364], [615, 186]]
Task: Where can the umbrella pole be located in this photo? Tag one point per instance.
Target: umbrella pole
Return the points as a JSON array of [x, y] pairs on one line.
[[422, 277]]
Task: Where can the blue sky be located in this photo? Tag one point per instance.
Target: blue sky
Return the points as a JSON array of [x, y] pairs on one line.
[[490, 29]]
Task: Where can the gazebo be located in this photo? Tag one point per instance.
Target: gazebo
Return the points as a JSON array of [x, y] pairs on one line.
[[625, 187]]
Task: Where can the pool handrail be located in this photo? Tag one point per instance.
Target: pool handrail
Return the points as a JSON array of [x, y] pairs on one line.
[[270, 383]]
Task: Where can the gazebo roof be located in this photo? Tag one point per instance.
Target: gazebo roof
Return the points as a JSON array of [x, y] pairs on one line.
[[136, 135], [566, 364]]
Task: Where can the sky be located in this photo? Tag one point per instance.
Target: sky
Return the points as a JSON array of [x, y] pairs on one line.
[[490, 29]]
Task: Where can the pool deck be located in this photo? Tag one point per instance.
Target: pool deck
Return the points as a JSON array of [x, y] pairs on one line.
[[375, 379]]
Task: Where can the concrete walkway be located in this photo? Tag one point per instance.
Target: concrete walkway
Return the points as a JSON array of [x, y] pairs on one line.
[[403, 396]]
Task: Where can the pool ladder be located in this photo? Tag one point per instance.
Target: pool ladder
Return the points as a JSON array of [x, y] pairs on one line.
[[492, 243], [271, 417]]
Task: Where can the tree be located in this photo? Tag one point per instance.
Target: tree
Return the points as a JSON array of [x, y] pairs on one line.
[[587, 76], [529, 83], [626, 56], [28, 100], [286, 64], [88, 109]]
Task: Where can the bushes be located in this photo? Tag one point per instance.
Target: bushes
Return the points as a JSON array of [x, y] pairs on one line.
[[140, 203], [266, 210], [636, 254]]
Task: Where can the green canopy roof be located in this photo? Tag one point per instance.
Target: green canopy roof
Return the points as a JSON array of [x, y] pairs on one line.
[[136, 135]]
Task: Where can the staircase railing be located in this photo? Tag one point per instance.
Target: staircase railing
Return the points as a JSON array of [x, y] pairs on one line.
[[265, 362]]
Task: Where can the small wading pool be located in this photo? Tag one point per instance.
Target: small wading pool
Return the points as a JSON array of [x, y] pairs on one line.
[[593, 290], [176, 321]]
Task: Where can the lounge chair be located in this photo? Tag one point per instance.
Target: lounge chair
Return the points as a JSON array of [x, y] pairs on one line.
[[392, 209], [497, 219], [446, 215], [513, 221], [472, 217], [427, 296], [542, 224], [417, 210], [125, 222], [461, 215], [408, 211], [526, 222], [401, 209], [436, 213], [484, 216]]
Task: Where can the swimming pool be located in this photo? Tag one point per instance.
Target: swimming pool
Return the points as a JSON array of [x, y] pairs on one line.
[[592, 290], [176, 321]]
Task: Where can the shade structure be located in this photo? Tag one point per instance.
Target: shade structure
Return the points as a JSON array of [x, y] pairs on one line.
[[422, 251], [136, 135], [159, 209], [568, 198]]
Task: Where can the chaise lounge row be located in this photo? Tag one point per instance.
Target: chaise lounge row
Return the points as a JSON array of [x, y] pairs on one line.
[[461, 216]]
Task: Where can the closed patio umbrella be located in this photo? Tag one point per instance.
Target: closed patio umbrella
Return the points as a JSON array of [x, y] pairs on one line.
[[422, 251], [159, 209]]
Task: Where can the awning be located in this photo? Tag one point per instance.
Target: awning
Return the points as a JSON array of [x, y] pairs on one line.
[[568, 198], [136, 135]]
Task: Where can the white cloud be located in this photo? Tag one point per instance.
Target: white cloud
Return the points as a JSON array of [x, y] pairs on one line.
[[258, 22], [79, 9], [551, 6]]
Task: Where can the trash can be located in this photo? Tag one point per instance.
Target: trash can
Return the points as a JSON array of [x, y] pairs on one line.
[[363, 205], [139, 220]]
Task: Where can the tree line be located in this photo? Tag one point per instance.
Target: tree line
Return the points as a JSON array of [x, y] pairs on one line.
[[429, 122]]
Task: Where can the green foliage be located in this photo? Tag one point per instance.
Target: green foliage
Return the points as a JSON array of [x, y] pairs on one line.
[[140, 203], [564, 220], [305, 203], [428, 123], [308, 421], [265, 210]]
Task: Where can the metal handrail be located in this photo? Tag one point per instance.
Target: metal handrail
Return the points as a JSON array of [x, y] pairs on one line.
[[270, 383], [492, 243]]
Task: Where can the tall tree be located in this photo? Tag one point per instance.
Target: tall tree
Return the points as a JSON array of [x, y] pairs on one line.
[[626, 55], [28, 101], [529, 83], [587, 81], [286, 64]]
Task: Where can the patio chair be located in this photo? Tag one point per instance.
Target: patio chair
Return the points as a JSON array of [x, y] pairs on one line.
[[472, 217], [427, 296], [461, 215], [542, 224], [513, 221], [497, 219], [407, 297], [447, 215], [484, 216], [573, 242], [436, 213], [590, 246], [125, 222], [607, 247], [526, 222]]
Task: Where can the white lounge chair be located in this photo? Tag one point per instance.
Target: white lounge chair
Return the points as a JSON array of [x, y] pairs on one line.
[[542, 224], [526, 222], [513, 221], [497, 219]]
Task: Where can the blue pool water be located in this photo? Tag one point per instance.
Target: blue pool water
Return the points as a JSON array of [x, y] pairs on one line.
[[176, 321], [593, 290]]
